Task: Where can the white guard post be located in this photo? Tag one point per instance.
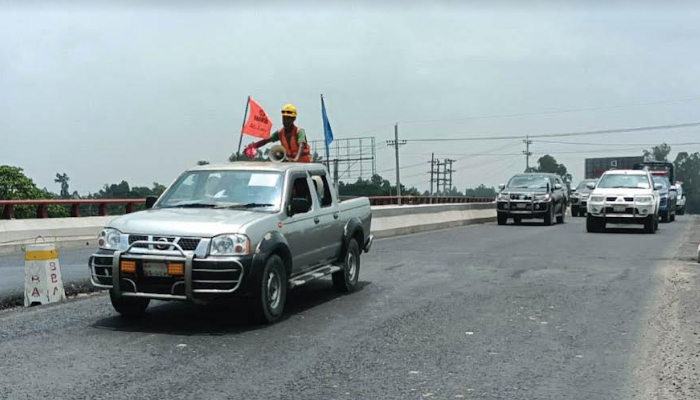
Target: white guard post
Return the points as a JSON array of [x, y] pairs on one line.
[[42, 275]]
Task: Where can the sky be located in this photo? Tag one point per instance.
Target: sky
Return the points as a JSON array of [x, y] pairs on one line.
[[140, 91]]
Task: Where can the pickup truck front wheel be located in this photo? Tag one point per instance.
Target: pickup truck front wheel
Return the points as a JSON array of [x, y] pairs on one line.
[[268, 304], [345, 280], [129, 307]]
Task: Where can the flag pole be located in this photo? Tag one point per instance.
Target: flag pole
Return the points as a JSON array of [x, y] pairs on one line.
[[325, 139], [240, 141]]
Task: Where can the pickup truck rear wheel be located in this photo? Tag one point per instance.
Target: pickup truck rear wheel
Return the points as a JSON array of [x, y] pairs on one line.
[[345, 280], [129, 307], [268, 303]]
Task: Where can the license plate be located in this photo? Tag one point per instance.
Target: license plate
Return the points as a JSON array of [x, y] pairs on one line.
[[155, 269], [619, 209], [521, 206]]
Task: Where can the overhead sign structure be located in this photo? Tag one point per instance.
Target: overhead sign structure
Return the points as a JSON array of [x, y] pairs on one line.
[[42, 275]]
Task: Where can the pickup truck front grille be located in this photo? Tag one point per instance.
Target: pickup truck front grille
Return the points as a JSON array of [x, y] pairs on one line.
[[187, 244], [614, 199], [516, 196]]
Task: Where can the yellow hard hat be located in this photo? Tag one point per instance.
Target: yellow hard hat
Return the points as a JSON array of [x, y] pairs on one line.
[[289, 110]]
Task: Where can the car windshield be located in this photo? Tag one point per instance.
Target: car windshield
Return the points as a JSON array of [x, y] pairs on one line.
[[582, 185], [225, 189], [528, 182], [662, 180], [612, 181]]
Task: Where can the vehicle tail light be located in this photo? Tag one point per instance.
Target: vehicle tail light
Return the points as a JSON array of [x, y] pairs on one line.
[[176, 269], [128, 267]]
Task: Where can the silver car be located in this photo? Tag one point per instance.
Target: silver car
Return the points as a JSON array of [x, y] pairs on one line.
[[253, 230]]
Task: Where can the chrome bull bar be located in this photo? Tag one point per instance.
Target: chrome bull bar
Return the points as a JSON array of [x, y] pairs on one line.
[[176, 254]]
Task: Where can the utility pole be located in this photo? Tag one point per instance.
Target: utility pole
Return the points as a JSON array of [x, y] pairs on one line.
[[396, 143], [527, 152], [450, 170], [432, 168]]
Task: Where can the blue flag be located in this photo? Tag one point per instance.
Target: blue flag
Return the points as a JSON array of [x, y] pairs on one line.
[[327, 131]]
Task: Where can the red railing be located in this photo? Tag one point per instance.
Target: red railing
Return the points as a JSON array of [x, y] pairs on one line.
[[42, 210]]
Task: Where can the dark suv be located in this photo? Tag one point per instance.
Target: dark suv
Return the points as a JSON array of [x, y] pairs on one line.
[[532, 195], [579, 198]]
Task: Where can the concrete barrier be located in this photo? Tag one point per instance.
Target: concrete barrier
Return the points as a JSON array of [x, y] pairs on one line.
[[15, 234], [402, 220], [386, 221]]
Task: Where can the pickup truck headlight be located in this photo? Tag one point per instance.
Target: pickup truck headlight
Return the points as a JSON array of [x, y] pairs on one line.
[[503, 196], [597, 199], [644, 199], [584, 195], [109, 239], [542, 197], [230, 245]]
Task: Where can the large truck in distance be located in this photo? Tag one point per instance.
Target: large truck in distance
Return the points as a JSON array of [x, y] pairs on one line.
[[595, 167]]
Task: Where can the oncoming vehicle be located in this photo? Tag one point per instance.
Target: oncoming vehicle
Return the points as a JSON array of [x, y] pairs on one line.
[[532, 195], [667, 194], [680, 199], [579, 198], [624, 197], [252, 230]]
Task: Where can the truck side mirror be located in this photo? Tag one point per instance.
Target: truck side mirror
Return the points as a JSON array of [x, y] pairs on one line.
[[501, 186], [658, 186], [150, 201], [590, 185], [298, 205], [558, 186]]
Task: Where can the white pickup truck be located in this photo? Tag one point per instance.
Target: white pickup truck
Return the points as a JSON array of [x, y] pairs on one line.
[[624, 197], [244, 229]]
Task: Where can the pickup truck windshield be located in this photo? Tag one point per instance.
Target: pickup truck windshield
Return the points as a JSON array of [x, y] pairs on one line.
[[662, 180], [614, 181], [226, 189], [528, 182], [582, 185]]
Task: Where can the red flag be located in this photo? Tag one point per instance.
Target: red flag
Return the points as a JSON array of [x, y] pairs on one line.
[[258, 123]]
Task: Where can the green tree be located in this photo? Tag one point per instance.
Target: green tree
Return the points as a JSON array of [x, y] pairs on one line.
[[658, 153], [480, 191], [63, 180], [15, 185], [687, 169], [548, 164]]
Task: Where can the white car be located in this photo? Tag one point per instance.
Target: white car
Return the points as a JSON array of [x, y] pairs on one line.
[[624, 197], [680, 204]]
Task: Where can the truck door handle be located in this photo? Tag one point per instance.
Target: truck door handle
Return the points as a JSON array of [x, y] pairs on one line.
[[316, 220], [335, 215]]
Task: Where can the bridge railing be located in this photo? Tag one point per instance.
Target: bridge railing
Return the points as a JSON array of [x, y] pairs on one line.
[[413, 200], [8, 206], [42, 211]]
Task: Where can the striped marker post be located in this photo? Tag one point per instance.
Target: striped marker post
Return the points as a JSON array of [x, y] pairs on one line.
[[42, 275]]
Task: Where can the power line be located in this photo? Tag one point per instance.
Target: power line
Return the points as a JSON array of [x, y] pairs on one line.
[[565, 134], [617, 144], [495, 116]]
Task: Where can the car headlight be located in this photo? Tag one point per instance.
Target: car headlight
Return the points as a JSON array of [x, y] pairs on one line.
[[597, 199], [230, 245], [542, 197], [584, 195], [503, 196], [109, 239], [644, 199]]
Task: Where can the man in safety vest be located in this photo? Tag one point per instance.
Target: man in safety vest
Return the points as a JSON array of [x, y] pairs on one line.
[[292, 137]]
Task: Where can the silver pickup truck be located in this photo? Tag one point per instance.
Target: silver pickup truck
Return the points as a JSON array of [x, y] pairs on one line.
[[244, 229]]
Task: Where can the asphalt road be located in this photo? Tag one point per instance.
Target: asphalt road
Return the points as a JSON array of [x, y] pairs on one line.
[[482, 312]]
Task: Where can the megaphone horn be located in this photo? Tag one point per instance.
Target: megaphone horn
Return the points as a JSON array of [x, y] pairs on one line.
[[277, 154]]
